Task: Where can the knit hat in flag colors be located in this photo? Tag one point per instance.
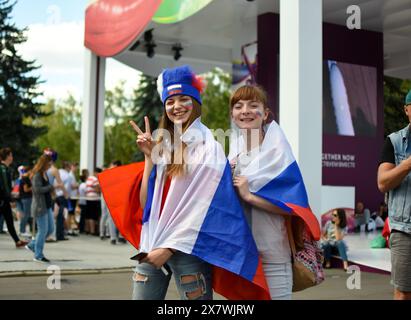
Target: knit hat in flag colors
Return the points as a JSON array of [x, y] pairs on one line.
[[180, 81]]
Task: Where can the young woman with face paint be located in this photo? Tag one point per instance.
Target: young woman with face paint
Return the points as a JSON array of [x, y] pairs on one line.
[[186, 189], [153, 273], [249, 113], [265, 174]]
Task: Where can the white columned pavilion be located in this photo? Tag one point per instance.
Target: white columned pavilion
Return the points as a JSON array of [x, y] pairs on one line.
[[92, 116], [301, 88]]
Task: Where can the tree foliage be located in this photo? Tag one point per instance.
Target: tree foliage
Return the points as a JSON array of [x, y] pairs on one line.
[[19, 92], [395, 91], [63, 124], [215, 109], [145, 102], [119, 143]]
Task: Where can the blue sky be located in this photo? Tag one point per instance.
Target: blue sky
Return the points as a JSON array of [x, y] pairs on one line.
[[40, 11], [55, 41]]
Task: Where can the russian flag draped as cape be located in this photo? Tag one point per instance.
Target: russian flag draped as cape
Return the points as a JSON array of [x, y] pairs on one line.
[[201, 216], [275, 176]]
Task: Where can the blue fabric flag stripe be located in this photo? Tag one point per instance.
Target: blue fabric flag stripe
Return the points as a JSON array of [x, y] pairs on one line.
[[225, 239], [288, 187], [150, 194]]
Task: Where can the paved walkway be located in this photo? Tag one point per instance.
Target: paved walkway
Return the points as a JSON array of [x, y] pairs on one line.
[[82, 254], [118, 285]]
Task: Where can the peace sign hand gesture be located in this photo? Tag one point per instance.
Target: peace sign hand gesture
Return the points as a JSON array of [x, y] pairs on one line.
[[144, 140]]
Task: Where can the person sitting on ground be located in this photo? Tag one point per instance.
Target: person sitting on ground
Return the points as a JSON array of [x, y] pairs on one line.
[[361, 216], [332, 237], [380, 215]]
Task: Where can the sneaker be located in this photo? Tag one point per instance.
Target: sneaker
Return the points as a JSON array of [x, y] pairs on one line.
[[28, 248], [122, 240], [26, 234], [21, 243], [44, 260], [51, 240], [113, 242]]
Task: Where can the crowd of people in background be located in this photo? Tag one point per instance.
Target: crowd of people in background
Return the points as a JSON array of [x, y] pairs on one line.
[[52, 203]]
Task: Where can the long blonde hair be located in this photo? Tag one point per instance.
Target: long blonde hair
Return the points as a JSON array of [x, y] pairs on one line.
[[41, 165], [177, 169]]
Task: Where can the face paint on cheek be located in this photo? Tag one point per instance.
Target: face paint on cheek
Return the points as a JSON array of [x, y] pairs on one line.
[[187, 104], [169, 108], [259, 114]]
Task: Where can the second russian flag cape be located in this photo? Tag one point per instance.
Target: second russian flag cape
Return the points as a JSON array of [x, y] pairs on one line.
[[275, 175]]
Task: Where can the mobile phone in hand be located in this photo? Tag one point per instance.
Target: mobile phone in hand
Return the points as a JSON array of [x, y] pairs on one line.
[[139, 256]]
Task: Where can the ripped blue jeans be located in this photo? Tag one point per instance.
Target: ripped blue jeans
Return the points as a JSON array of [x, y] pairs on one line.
[[192, 276]]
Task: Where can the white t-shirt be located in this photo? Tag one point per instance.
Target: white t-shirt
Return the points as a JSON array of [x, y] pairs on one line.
[[64, 175], [82, 193], [269, 229], [74, 191]]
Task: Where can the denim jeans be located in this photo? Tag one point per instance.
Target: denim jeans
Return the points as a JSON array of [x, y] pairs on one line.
[[330, 247], [114, 234], [62, 203], [192, 276], [45, 227], [26, 203], [279, 278], [105, 220]]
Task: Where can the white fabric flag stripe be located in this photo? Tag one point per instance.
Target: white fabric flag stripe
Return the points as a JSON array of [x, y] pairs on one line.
[[202, 214], [176, 227], [273, 164]]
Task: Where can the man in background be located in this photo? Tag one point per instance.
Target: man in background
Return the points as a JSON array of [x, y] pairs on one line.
[[394, 177]]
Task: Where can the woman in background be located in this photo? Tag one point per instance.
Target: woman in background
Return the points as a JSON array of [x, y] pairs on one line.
[[332, 237], [41, 207]]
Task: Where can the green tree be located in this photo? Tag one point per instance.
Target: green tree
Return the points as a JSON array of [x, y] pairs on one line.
[[119, 143], [19, 93], [145, 102], [216, 98], [63, 123], [395, 91]]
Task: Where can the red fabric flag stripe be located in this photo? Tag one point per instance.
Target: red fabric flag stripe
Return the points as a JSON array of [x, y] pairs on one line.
[[234, 287], [121, 191], [309, 218]]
